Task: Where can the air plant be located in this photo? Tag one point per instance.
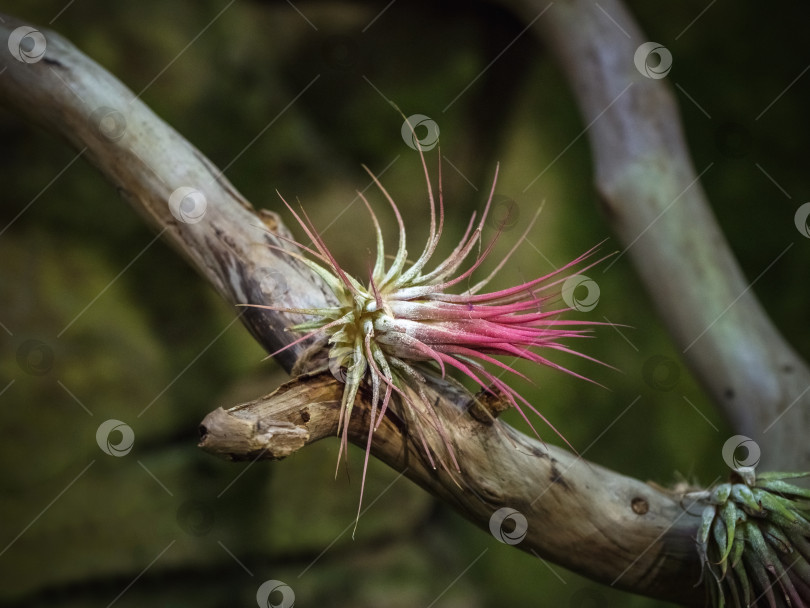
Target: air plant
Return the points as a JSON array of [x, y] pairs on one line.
[[754, 540], [404, 323]]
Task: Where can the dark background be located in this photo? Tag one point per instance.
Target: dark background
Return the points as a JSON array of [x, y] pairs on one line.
[[156, 351]]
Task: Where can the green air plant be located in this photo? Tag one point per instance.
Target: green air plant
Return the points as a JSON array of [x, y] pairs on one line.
[[754, 540], [403, 323]]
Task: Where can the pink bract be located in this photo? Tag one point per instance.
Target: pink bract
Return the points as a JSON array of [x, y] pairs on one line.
[[404, 324]]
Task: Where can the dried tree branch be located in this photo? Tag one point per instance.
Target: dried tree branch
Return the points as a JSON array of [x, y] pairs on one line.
[[609, 527], [147, 161], [604, 525], [652, 197]]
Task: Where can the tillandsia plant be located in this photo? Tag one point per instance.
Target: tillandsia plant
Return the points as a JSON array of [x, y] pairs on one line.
[[404, 323], [754, 540]]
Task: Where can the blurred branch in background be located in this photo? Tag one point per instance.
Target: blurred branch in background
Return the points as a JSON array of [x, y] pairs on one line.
[[651, 194]]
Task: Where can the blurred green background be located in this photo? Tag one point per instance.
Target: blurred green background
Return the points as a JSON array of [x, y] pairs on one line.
[[83, 342]]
